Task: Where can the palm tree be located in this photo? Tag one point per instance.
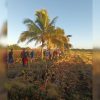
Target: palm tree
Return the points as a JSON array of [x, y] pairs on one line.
[[38, 30]]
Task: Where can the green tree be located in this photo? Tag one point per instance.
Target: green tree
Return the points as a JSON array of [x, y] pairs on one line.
[[58, 39], [38, 30]]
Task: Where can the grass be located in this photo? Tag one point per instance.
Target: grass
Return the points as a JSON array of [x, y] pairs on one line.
[[68, 78]]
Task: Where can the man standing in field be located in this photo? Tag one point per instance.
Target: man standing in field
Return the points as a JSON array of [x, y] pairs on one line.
[[55, 54], [32, 56], [24, 57], [47, 54], [10, 57], [27, 57]]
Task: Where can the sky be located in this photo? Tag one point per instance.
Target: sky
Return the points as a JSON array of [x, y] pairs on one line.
[[74, 16], [96, 23]]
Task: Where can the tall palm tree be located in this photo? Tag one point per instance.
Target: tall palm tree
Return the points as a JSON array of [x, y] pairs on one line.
[[38, 30]]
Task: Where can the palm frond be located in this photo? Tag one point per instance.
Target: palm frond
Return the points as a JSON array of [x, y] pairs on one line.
[[31, 25], [69, 35], [30, 40], [53, 21], [25, 36]]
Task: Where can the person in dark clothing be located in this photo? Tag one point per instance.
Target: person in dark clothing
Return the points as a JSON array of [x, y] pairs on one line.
[[24, 57], [32, 56], [27, 57], [10, 57], [47, 53], [27, 53]]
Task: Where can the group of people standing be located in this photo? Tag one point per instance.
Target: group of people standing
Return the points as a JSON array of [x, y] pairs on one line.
[[27, 55], [52, 54]]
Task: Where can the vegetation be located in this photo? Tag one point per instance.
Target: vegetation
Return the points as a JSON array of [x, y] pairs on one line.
[[43, 31], [16, 47], [68, 78], [64, 77]]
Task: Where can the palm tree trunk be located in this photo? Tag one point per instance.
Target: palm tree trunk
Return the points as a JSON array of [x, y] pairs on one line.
[[63, 48], [42, 54], [48, 44]]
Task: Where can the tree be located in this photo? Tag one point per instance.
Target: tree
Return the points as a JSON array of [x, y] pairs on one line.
[[58, 39], [38, 30], [68, 45]]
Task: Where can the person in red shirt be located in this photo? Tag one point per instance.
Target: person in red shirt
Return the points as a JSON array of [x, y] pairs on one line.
[[24, 57], [55, 54]]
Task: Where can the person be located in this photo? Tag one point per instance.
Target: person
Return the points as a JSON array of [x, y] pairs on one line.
[[24, 57], [50, 54], [47, 54], [55, 54], [10, 57], [44, 54], [59, 53], [27, 56], [32, 56]]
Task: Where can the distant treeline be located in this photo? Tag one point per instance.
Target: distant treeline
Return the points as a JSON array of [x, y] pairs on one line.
[[92, 50], [16, 47], [82, 49]]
